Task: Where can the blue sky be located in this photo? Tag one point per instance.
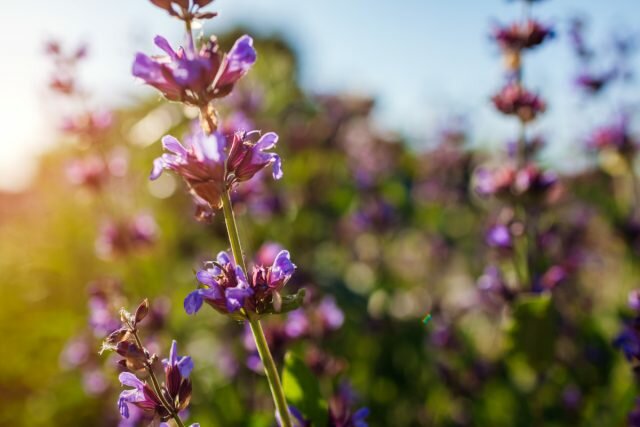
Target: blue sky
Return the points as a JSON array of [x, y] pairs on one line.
[[421, 59]]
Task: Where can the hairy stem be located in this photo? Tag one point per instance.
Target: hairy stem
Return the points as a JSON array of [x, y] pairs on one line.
[[256, 328], [156, 384]]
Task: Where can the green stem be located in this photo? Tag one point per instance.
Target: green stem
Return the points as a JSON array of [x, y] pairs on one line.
[[156, 384], [256, 328], [272, 372], [232, 230]]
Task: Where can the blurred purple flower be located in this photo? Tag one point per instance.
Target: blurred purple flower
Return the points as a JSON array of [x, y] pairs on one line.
[[594, 83], [330, 314], [121, 237], [616, 135], [518, 36], [513, 99], [634, 299], [499, 237]]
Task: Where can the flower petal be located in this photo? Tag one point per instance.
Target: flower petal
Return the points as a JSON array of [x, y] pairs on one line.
[[172, 144], [163, 44], [267, 141], [129, 379], [193, 302], [158, 167]]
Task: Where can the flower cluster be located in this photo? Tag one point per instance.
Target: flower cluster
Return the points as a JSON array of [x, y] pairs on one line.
[[211, 165], [227, 289], [513, 99], [118, 237], [508, 182], [161, 401], [615, 136], [519, 36], [195, 77]]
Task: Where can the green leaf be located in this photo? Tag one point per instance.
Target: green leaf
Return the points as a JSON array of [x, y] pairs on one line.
[[289, 303], [302, 390], [534, 330]]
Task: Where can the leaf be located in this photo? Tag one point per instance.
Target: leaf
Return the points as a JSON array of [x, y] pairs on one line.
[[302, 390], [534, 330], [288, 303]]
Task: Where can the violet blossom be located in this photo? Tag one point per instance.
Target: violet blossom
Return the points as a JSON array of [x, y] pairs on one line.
[[519, 36], [192, 77], [513, 99], [207, 168], [227, 289]]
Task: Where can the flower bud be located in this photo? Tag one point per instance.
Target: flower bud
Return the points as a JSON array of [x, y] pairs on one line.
[[142, 311]]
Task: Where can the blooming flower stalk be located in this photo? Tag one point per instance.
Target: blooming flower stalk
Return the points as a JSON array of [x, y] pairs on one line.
[[212, 167], [162, 401]]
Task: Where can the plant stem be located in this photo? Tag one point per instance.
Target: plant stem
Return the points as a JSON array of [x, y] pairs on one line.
[[232, 230], [156, 384], [271, 371], [256, 328]]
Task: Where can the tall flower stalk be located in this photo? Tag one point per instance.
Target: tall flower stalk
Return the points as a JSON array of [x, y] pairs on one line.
[[516, 100], [213, 164]]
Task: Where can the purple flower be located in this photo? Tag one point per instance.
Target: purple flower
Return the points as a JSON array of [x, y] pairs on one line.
[[246, 158], [281, 270], [195, 77], [496, 182], [518, 36], [122, 236], [89, 172], [508, 182], [628, 340], [634, 299], [140, 395], [513, 99], [177, 383], [184, 364], [90, 125], [297, 324], [340, 412], [330, 314], [499, 237], [616, 136], [200, 162], [493, 287], [226, 288], [594, 83]]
